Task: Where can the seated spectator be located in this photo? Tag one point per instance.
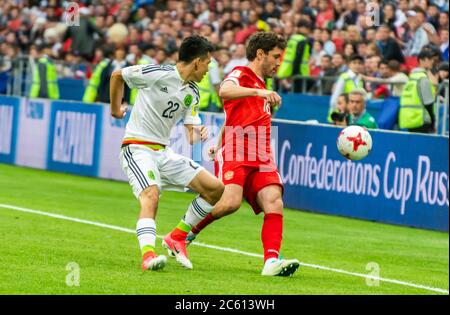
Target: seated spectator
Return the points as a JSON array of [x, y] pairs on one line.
[[362, 49], [444, 38], [328, 45], [400, 14], [390, 49], [7, 54], [325, 14], [370, 34], [389, 16], [443, 71], [359, 116], [349, 50], [432, 34], [351, 15], [326, 70], [442, 76], [433, 15], [353, 34], [270, 11], [373, 50], [315, 58], [238, 59], [338, 62], [417, 37], [443, 20], [371, 68]]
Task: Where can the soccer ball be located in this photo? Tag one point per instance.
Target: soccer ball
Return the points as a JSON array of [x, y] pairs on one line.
[[354, 143]]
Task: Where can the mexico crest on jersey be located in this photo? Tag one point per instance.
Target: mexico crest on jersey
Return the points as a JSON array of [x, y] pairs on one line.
[[188, 100], [194, 111]]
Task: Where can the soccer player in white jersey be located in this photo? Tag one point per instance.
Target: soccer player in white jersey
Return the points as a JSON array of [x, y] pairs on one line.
[[166, 94]]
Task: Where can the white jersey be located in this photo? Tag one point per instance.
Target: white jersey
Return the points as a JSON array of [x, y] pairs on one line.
[[162, 100]]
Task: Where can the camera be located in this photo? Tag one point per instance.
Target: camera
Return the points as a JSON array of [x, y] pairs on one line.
[[337, 116]]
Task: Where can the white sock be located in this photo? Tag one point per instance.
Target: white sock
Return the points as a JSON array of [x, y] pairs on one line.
[[146, 234], [197, 210]]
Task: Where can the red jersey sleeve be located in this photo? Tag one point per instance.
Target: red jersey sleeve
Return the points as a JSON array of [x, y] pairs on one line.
[[236, 76]]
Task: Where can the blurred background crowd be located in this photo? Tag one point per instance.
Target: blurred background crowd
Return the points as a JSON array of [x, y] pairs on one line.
[[332, 33]]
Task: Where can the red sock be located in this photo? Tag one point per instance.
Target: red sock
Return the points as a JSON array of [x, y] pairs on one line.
[[271, 235], [203, 223], [178, 234]]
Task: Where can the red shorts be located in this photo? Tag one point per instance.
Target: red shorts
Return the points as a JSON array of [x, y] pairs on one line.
[[251, 178]]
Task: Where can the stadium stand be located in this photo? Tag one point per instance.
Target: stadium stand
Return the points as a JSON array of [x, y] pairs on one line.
[[79, 36]]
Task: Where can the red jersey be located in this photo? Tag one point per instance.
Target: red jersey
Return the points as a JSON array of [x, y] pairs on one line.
[[247, 122]]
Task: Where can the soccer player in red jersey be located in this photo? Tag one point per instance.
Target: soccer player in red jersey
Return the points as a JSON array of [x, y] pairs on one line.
[[244, 161]]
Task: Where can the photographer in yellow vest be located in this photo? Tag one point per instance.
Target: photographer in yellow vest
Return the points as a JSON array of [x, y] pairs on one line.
[[45, 76], [98, 87], [416, 112], [347, 82], [296, 59]]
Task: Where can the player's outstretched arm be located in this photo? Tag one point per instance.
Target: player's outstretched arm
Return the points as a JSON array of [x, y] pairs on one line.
[[116, 91], [196, 133], [230, 91]]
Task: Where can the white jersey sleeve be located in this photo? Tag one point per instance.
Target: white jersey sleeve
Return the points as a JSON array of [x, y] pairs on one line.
[[191, 116], [143, 76]]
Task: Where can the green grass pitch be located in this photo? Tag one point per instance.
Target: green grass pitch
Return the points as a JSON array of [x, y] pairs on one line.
[[35, 249]]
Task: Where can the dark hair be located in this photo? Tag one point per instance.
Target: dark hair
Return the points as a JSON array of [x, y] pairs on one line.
[[304, 23], [384, 62], [340, 54], [419, 10], [327, 56], [344, 95], [351, 44], [425, 54], [194, 47], [329, 32], [433, 49], [443, 66], [385, 25], [391, 4], [264, 41], [356, 57], [394, 65]]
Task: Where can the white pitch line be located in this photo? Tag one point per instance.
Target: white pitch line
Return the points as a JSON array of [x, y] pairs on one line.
[[225, 249]]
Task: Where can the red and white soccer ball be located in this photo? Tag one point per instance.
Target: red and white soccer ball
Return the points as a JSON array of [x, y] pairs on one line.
[[354, 143]]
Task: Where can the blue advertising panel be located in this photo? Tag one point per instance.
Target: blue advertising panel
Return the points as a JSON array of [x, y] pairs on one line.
[[404, 180], [9, 124], [74, 138]]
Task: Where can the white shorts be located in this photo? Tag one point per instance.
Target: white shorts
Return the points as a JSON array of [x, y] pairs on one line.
[[145, 167]]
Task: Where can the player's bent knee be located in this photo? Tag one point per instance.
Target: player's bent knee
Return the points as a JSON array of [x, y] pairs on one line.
[[213, 192], [278, 205], [217, 191], [150, 194], [271, 201]]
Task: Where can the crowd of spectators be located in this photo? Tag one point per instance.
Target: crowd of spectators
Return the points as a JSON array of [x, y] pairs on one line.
[[154, 30]]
